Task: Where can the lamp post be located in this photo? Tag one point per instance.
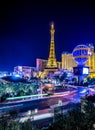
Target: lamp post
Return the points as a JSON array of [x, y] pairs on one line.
[[29, 114], [41, 90], [30, 122]]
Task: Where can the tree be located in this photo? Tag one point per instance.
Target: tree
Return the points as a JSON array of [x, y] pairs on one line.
[[7, 122], [89, 115], [75, 119], [28, 125], [63, 76], [3, 97]]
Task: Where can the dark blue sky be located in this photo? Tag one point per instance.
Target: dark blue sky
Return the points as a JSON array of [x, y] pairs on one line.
[[24, 29]]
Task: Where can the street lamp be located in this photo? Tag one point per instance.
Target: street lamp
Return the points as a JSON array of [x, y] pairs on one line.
[[41, 89], [29, 114]]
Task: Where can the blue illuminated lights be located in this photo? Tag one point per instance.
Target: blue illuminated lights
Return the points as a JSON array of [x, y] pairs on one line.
[[80, 54], [16, 76]]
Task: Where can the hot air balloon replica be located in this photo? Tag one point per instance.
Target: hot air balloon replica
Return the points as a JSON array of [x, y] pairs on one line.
[[80, 55]]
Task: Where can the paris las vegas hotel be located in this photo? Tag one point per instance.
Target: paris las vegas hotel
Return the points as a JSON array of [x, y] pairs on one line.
[[67, 61]]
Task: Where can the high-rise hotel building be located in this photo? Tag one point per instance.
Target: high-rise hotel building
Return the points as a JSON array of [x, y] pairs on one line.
[[68, 61], [91, 64], [91, 60]]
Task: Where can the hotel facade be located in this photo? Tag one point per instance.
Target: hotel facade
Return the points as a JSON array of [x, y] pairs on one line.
[[68, 63]]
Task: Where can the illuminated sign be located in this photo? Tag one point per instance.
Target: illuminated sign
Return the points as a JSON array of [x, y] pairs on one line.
[[80, 70], [85, 70]]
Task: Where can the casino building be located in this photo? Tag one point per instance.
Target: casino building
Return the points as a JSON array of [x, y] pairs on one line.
[[68, 62], [42, 63], [24, 71], [91, 64]]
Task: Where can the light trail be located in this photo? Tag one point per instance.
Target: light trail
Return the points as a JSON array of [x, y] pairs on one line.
[[10, 106], [37, 117], [63, 92], [83, 91], [91, 89], [23, 97]]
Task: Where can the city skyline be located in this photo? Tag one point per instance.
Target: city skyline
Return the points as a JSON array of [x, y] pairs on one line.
[[25, 30]]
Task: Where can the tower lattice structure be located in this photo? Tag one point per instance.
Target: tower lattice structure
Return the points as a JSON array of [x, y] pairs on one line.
[[52, 64]]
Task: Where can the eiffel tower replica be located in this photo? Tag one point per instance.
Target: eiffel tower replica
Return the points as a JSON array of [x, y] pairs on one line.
[[51, 63]]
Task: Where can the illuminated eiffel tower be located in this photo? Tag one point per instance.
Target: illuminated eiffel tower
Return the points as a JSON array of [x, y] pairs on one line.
[[52, 64]]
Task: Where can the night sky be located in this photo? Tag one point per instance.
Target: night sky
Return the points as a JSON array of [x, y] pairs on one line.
[[25, 26]]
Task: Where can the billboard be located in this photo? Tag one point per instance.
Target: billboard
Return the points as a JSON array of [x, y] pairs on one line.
[[81, 70]]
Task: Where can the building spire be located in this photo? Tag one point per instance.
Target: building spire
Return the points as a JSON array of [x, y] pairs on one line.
[[52, 31]]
